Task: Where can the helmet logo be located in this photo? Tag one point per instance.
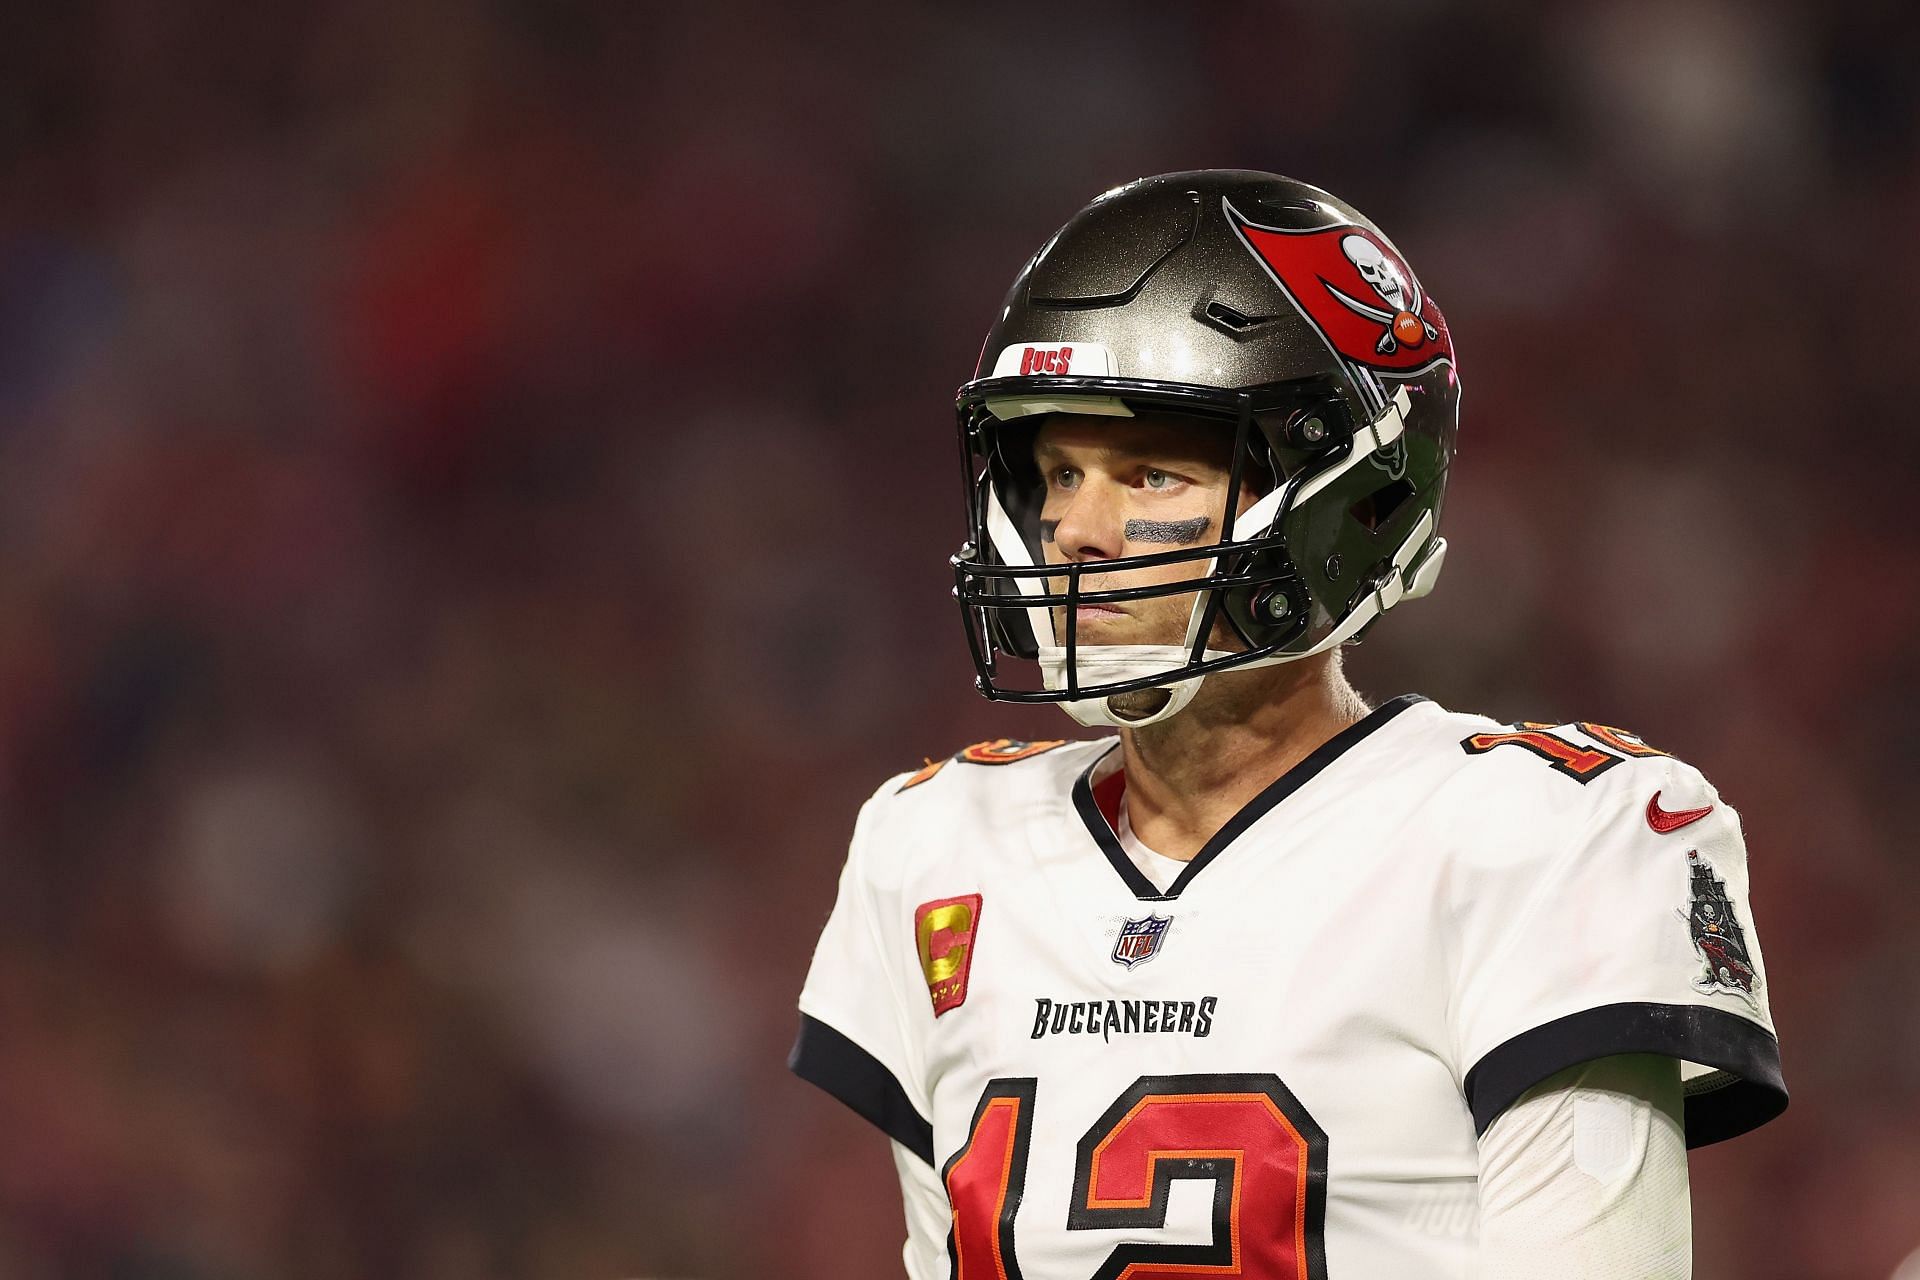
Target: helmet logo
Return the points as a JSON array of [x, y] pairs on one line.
[[1380, 271], [1045, 360], [1392, 459], [1356, 290], [1058, 359]]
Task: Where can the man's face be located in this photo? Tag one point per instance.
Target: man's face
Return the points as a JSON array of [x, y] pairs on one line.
[[1120, 487]]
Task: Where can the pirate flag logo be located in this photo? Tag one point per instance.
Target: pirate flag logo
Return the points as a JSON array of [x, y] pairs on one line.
[[1717, 935], [1395, 287], [1356, 289]]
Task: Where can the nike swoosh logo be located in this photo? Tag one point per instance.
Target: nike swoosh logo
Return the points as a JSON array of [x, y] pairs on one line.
[[1664, 820]]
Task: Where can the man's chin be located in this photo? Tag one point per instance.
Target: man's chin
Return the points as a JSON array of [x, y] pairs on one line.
[[1139, 704]]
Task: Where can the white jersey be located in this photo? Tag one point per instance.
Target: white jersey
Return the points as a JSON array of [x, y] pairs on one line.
[[1277, 1068]]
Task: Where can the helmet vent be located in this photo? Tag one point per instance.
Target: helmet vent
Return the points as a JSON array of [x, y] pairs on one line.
[[1379, 506], [1230, 320]]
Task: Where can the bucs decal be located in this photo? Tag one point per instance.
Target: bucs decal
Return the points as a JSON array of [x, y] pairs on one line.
[[1056, 359], [943, 933], [1140, 940], [1046, 360], [1717, 935], [1356, 289]]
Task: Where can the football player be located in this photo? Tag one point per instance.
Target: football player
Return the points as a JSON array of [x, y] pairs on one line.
[[1267, 982]]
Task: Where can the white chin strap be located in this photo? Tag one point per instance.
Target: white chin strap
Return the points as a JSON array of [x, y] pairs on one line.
[[1108, 663], [1413, 576]]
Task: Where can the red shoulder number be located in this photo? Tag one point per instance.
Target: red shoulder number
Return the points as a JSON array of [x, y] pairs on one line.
[[996, 751], [1583, 762]]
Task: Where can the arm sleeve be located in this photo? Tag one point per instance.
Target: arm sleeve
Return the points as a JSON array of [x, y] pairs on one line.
[[1586, 1175], [1619, 939], [929, 1216], [860, 1038]]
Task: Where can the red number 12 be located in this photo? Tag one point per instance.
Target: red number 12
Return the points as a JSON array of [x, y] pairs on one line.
[[1246, 1134]]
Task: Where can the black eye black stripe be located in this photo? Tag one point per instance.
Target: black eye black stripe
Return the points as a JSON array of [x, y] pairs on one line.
[[1173, 531], [1167, 530]]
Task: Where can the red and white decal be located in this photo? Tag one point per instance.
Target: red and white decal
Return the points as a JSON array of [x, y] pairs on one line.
[[1055, 359], [1357, 290]]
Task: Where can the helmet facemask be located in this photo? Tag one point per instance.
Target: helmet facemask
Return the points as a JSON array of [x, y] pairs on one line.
[[1250, 595]]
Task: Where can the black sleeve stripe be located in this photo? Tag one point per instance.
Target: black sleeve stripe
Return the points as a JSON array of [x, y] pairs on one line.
[[1753, 1094], [822, 1056]]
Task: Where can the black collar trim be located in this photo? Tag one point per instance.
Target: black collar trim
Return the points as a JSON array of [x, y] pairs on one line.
[[1255, 809]]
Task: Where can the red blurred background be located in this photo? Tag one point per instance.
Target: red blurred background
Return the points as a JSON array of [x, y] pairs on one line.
[[475, 484]]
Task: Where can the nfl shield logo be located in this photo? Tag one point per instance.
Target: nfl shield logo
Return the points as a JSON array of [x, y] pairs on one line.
[[1140, 940]]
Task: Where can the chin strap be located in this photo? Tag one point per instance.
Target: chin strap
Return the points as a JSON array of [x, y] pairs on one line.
[[1416, 567], [1109, 663]]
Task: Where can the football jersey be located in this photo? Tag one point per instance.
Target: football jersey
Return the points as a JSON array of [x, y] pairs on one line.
[[1278, 1067]]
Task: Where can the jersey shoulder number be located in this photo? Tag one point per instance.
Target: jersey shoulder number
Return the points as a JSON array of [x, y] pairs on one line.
[[993, 752], [1582, 750]]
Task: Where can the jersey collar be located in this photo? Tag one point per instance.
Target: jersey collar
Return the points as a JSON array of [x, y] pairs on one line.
[[1089, 808]]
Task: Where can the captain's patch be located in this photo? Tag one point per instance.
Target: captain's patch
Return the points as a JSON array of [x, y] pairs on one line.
[[943, 934]]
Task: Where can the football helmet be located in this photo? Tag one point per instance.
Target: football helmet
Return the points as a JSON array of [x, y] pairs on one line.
[[1246, 300]]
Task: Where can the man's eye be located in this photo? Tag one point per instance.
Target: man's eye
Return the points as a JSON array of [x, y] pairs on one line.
[[1065, 478], [1158, 479]]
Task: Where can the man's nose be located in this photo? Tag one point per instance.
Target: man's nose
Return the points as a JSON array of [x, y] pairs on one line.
[[1092, 527]]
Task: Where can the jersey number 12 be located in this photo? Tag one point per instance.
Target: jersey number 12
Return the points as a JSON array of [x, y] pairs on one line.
[[1245, 1133]]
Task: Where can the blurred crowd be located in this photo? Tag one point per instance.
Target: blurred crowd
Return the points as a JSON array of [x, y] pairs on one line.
[[475, 484]]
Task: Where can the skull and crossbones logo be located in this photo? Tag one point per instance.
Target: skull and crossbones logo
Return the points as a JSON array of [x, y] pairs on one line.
[[1401, 294]]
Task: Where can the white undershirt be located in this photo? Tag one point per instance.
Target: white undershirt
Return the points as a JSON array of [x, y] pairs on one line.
[[1586, 1175]]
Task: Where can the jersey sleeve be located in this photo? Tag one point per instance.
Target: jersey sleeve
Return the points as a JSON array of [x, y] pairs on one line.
[[1603, 935], [858, 1026]]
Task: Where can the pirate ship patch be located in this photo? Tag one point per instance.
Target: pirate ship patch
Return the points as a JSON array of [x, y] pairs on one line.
[[1717, 935]]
